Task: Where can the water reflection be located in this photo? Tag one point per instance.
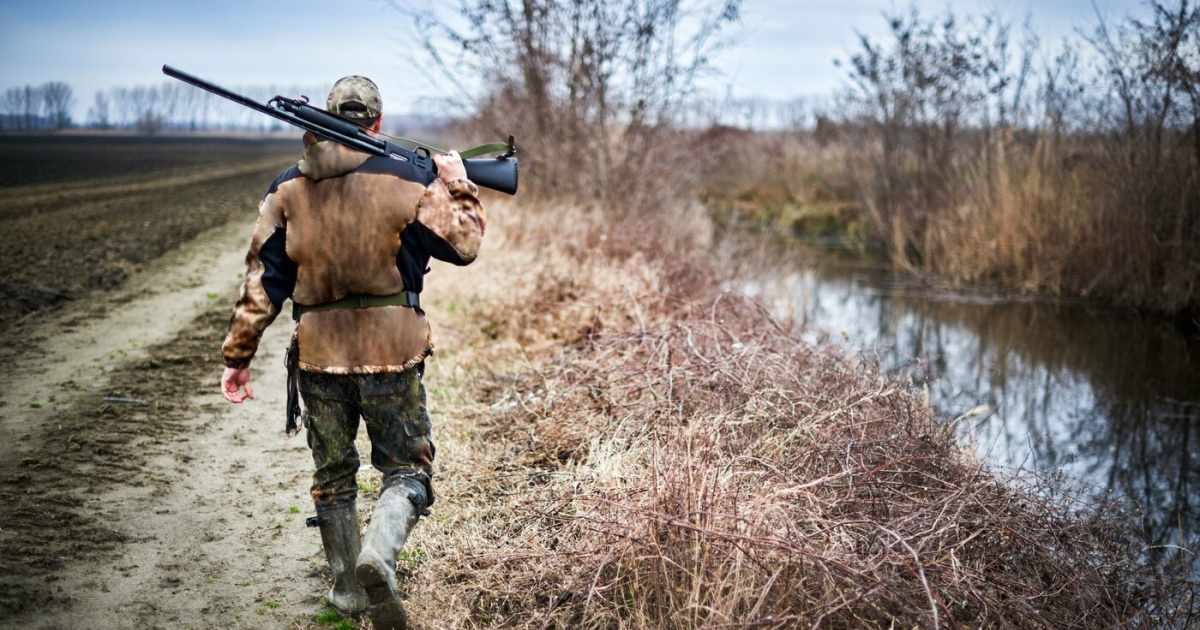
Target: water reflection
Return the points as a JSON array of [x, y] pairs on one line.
[[1108, 397]]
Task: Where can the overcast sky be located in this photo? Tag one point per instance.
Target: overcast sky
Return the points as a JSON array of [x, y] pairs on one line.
[[786, 47]]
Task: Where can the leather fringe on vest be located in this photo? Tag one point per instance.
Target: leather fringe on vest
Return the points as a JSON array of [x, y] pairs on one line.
[[291, 360]]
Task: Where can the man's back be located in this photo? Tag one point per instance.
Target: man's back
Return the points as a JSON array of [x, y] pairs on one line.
[[340, 224]]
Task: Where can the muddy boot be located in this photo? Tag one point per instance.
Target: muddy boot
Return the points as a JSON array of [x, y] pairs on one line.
[[395, 515], [339, 535]]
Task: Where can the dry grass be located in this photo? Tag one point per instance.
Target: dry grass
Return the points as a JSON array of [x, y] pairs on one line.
[[652, 453], [1025, 225], [1054, 217]]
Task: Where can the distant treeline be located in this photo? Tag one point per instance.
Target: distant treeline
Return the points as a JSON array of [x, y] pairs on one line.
[[169, 106], [45, 106]]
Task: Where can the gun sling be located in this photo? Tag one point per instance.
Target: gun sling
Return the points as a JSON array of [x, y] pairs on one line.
[[484, 149], [403, 298]]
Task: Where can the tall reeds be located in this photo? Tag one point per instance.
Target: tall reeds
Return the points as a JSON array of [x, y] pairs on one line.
[[965, 152], [1081, 181]]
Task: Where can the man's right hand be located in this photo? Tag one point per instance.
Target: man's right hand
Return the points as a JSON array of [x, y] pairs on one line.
[[450, 166], [232, 381]]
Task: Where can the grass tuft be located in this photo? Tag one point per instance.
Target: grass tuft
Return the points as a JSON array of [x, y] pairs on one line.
[[330, 617]]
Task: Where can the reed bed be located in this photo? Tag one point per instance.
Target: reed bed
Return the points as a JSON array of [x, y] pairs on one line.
[[966, 150]]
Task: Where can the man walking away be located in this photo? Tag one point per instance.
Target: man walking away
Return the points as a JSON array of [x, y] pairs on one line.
[[348, 237]]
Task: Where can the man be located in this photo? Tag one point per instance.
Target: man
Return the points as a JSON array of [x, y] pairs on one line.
[[348, 236]]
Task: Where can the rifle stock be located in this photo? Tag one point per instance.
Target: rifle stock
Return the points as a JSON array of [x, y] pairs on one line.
[[498, 173]]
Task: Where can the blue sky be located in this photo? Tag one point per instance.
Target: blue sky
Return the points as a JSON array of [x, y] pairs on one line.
[[786, 48]]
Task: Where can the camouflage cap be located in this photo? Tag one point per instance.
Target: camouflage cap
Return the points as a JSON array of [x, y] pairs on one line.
[[354, 97]]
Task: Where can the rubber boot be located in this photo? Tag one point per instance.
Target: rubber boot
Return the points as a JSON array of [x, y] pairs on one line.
[[395, 515], [339, 535]]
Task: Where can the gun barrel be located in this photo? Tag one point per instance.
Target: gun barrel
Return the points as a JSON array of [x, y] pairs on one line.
[[320, 123], [498, 173], [216, 89]]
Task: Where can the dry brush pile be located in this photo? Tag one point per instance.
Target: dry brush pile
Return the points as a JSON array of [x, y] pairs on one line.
[[669, 456]]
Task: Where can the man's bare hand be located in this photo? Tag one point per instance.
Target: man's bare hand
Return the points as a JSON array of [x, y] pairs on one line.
[[450, 167], [231, 383]]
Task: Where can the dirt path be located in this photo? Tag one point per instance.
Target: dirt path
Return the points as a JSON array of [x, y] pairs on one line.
[[181, 511], [172, 513]]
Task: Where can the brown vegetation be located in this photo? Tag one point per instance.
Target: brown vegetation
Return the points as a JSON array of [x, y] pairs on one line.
[[656, 453], [668, 456], [969, 159]]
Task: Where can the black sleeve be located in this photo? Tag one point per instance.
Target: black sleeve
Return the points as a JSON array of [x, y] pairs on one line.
[[435, 246], [286, 175], [417, 245], [415, 236], [279, 271]]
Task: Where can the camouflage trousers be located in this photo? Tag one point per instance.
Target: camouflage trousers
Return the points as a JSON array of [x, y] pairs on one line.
[[392, 405]]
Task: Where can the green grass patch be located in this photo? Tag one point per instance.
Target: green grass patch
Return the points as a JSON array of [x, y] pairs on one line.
[[411, 559], [331, 617]]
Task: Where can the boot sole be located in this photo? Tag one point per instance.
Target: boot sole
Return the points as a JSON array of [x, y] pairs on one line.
[[385, 609], [347, 606]]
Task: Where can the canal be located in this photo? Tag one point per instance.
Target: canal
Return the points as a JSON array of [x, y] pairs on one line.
[[1109, 399]]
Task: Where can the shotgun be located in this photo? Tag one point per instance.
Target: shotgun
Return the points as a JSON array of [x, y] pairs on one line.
[[498, 173]]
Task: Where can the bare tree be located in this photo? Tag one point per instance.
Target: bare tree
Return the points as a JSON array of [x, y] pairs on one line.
[[31, 104], [590, 87], [124, 107], [98, 114], [1061, 90], [10, 106], [1171, 40], [925, 85], [145, 102], [169, 101], [57, 99]]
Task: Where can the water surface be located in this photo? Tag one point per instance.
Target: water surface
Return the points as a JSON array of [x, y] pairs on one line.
[[1107, 396]]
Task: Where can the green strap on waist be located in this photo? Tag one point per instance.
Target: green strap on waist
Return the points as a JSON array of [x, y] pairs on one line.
[[404, 298]]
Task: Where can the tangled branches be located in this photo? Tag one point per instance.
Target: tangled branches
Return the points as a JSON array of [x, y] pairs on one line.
[[688, 462]]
